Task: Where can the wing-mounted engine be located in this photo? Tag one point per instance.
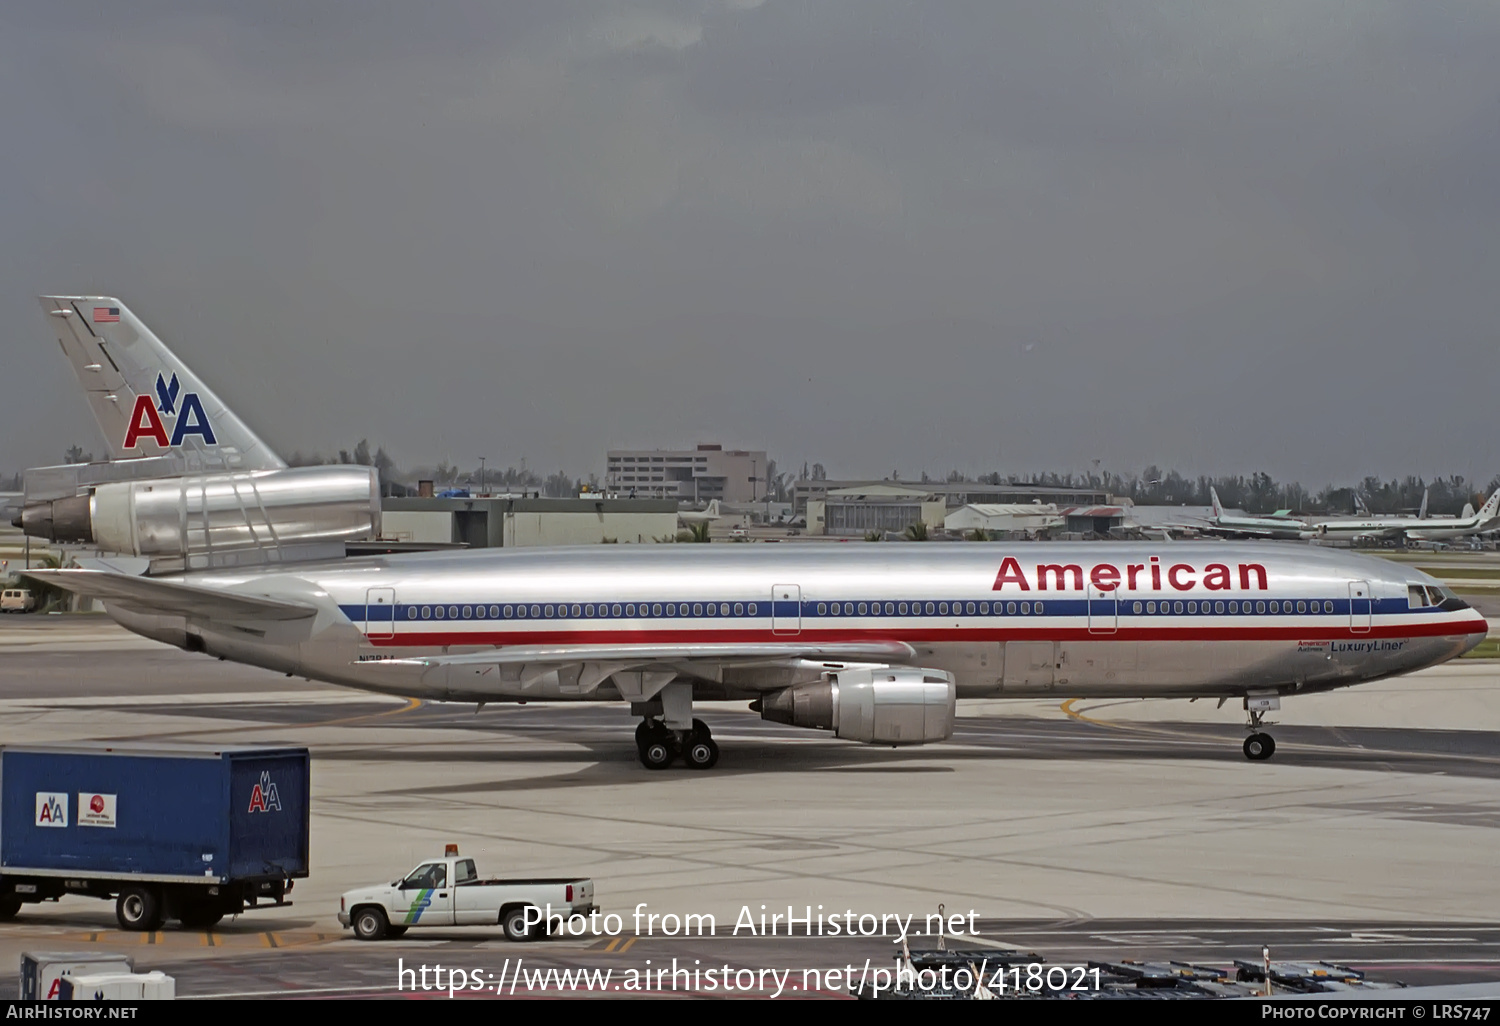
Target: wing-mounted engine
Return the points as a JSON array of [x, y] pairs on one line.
[[204, 521], [888, 705]]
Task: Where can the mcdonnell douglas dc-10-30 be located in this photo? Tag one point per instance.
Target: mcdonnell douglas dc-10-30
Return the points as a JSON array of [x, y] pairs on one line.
[[230, 553]]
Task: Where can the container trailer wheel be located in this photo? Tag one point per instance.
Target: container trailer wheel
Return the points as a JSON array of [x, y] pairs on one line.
[[139, 908]]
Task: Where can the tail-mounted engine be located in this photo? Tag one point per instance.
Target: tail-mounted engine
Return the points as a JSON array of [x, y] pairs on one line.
[[896, 705], [217, 520]]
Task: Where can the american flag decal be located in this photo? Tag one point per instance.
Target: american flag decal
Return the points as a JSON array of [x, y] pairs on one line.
[[106, 314]]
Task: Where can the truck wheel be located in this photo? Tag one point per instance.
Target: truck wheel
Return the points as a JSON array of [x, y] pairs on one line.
[[9, 907], [514, 923], [370, 924], [139, 908]]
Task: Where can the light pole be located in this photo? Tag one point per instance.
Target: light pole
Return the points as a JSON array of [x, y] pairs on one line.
[[481, 475]]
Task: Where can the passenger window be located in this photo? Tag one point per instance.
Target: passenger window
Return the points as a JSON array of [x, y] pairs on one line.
[[463, 872], [1416, 596]]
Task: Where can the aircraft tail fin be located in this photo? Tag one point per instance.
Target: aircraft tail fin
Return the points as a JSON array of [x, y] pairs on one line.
[[1422, 513], [1491, 507], [713, 508], [1360, 509], [1213, 493], [146, 400]]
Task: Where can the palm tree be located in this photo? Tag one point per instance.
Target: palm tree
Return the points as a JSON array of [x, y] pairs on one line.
[[698, 531], [874, 536], [979, 534], [917, 531]]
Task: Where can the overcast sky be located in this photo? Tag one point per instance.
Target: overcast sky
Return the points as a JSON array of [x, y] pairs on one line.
[[882, 236]]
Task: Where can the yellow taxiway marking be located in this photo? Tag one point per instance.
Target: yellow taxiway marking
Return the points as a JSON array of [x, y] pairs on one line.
[[627, 945], [1189, 735], [612, 944], [411, 703], [213, 939]]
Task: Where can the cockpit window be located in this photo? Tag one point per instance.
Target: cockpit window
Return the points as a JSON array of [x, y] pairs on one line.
[[1437, 595], [1416, 596]]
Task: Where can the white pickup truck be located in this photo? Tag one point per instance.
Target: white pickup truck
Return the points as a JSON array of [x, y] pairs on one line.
[[448, 892]]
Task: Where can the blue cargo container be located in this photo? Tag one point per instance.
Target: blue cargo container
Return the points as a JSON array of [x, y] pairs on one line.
[[192, 833]]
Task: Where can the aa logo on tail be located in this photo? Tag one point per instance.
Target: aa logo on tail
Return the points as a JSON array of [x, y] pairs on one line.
[[264, 797], [188, 416]]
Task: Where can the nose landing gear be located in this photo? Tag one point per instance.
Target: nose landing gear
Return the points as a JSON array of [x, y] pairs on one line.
[[1259, 746]]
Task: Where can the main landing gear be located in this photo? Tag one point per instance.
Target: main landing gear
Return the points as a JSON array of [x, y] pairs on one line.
[[1259, 746], [659, 746]]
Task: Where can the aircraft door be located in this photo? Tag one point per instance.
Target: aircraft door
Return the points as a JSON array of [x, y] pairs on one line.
[[786, 609], [1104, 610], [1361, 607], [380, 613], [1030, 664]]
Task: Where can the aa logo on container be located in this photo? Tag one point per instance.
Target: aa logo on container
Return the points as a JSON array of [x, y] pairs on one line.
[[96, 810], [51, 809], [264, 797]]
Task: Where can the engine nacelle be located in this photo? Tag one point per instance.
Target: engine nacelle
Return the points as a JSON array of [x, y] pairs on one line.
[[894, 705], [225, 519]]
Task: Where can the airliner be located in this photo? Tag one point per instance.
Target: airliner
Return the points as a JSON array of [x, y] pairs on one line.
[[1418, 528], [235, 558], [1275, 527]]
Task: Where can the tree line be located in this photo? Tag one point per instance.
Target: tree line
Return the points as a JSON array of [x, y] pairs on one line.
[[1255, 493]]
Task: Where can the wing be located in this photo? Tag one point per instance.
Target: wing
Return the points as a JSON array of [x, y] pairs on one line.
[[167, 597], [637, 671]]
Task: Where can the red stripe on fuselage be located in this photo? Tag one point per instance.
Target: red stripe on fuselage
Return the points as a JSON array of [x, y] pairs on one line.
[[431, 639]]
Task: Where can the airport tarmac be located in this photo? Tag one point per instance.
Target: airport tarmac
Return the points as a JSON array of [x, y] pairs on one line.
[[1076, 829]]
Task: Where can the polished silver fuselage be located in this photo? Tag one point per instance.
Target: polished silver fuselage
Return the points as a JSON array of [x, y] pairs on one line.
[[1007, 619]]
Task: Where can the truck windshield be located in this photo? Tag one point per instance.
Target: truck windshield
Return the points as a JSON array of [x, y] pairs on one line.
[[434, 874]]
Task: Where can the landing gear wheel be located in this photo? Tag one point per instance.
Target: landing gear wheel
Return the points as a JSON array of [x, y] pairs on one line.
[[371, 924], [700, 752], [657, 754], [9, 907], [513, 922], [1259, 747], [139, 908]]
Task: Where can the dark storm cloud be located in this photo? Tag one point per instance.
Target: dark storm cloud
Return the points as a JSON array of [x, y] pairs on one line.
[[879, 235]]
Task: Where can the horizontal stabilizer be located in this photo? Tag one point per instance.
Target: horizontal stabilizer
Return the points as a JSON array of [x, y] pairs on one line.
[[172, 599], [882, 651]]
